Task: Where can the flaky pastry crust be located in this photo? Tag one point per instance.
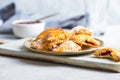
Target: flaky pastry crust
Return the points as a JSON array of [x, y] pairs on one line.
[[108, 53]]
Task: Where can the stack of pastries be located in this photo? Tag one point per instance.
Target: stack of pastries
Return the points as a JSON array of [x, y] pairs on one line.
[[59, 40]]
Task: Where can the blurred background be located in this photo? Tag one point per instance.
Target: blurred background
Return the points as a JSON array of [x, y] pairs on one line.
[[71, 12]]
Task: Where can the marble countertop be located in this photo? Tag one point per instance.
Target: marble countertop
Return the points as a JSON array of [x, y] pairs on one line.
[[22, 69]]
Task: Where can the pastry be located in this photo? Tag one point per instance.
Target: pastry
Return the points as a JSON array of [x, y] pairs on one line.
[[41, 35], [85, 40], [67, 46], [108, 53], [51, 39], [81, 30], [59, 40], [39, 45], [58, 35]]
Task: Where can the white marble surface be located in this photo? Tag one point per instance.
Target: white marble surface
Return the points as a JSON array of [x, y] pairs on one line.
[[23, 69]]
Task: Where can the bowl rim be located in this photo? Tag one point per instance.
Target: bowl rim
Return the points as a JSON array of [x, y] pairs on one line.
[[22, 20]]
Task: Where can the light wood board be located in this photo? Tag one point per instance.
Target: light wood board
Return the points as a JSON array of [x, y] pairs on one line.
[[17, 49]]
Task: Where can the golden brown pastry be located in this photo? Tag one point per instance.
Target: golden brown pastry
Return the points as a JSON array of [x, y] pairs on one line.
[[58, 35], [42, 34], [108, 53], [79, 39], [59, 40], [81, 30], [67, 46], [85, 40], [91, 42], [51, 39]]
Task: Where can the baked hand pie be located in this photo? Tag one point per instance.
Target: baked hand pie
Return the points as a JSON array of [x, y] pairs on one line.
[[40, 45], [58, 35], [81, 30], [50, 39], [85, 40], [108, 53], [42, 34], [67, 46]]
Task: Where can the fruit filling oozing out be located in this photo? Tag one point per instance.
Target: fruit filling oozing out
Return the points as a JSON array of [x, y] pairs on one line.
[[89, 42], [106, 53]]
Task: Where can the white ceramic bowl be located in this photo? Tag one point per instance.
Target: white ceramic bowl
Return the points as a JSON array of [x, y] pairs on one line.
[[27, 30]]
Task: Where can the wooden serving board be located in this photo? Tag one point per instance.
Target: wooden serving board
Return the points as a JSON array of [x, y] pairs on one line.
[[18, 50]]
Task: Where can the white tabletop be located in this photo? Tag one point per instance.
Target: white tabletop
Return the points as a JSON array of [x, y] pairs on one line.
[[23, 69]]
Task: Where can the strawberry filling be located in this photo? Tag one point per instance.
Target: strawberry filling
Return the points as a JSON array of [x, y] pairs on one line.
[[89, 42], [105, 53]]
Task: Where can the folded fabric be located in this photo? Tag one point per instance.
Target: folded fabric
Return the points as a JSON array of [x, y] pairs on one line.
[[66, 24]]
